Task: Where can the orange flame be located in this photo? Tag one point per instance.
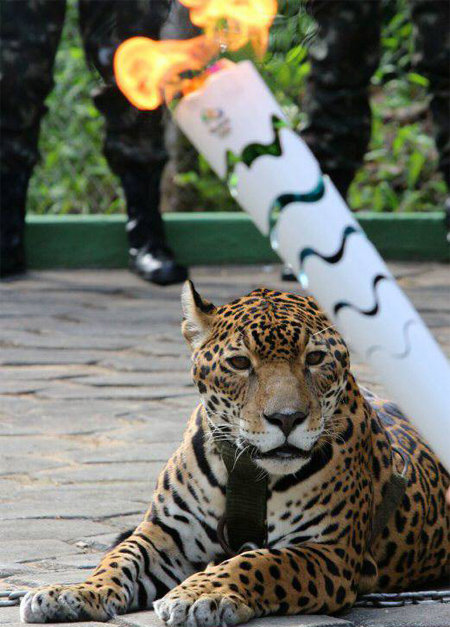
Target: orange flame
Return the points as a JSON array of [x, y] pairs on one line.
[[149, 72], [145, 68], [234, 22]]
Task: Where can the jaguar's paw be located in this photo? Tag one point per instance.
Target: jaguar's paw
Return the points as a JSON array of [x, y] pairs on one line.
[[63, 604], [187, 609]]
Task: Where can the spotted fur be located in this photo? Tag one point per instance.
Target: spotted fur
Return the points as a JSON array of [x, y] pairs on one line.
[[327, 449]]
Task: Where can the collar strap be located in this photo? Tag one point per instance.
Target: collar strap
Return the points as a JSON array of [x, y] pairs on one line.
[[244, 521], [393, 496]]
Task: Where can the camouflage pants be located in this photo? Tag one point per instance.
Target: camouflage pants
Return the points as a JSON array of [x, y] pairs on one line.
[[343, 58], [30, 33]]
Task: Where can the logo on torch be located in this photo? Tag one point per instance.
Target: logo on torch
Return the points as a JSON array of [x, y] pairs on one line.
[[216, 121]]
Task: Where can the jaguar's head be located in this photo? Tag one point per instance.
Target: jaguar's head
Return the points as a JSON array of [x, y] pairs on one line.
[[271, 370]]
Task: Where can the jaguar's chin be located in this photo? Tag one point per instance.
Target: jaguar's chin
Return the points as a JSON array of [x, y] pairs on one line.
[[281, 466], [282, 460]]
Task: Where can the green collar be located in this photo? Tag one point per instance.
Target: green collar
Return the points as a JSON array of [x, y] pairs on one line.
[[392, 497], [244, 521]]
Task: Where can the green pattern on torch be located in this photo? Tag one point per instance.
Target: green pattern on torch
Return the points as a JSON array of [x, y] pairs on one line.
[[274, 149], [252, 151], [283, 200]]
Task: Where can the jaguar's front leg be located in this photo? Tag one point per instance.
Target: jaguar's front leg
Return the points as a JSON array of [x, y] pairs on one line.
[[307, 579], [130, 577]]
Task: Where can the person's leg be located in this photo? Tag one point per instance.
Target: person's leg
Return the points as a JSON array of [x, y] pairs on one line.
[[343, 55], [182, 156], [29, 35], [134, 144], [432, 59]]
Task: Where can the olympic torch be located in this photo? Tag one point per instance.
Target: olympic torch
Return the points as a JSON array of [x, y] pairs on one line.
[[231, 117]]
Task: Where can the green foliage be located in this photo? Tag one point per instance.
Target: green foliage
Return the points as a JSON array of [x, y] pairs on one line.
[[400, 169]]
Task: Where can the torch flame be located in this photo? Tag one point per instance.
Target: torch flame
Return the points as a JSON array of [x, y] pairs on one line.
[[149, 72], [234, 22], [145, 68]]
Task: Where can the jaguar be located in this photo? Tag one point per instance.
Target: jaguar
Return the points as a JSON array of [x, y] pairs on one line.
[[274, 379]]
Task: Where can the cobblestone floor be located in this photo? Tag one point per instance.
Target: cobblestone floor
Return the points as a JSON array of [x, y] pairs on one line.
[[95, 392]]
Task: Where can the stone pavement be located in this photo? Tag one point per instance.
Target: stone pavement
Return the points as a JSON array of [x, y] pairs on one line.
[[95, 392]]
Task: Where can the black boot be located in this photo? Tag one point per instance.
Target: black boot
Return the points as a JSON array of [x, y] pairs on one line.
[[150, 257], [13, 190], [157, 264]]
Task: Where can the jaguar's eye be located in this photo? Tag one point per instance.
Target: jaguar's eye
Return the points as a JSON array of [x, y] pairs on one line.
[[315, 357], [239, 362]]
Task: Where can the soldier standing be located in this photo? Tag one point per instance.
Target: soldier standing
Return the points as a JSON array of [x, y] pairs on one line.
[[344, 56], [134, 146]]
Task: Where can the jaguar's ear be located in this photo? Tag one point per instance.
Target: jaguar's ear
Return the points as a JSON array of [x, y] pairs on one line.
[[198, 315]]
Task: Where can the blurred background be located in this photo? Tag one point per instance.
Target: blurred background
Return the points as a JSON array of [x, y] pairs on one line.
[[400, 169]]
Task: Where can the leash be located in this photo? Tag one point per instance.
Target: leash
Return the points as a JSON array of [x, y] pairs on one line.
[[9, 598], [401, 599]]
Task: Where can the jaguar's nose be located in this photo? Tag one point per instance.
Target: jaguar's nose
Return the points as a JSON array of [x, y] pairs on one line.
[[287, 422]]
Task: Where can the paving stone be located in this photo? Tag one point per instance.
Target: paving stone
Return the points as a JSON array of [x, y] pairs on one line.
[[10, 465], [18, 407], [47, 445], [75, 449], [74, 392], [437, 320], [25, 356], [46, 492], [300, 621], [45, 417], [11, 486], [51, 339], [28, 307], [164, 349], [149, 619], [46, 373], [10, 616], [140, 379], [51, 528], [429, 615], [145, 363], [138, 619], [101, 542], [128, 453], [10, 386], [161, 432], [28, 550], [124, 523], [76, 506], [9, 570], [83, 561], [74, 327], [34, 579], [122, 471]]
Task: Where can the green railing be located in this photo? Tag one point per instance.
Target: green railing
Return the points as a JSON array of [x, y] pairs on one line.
[[215, 238]]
